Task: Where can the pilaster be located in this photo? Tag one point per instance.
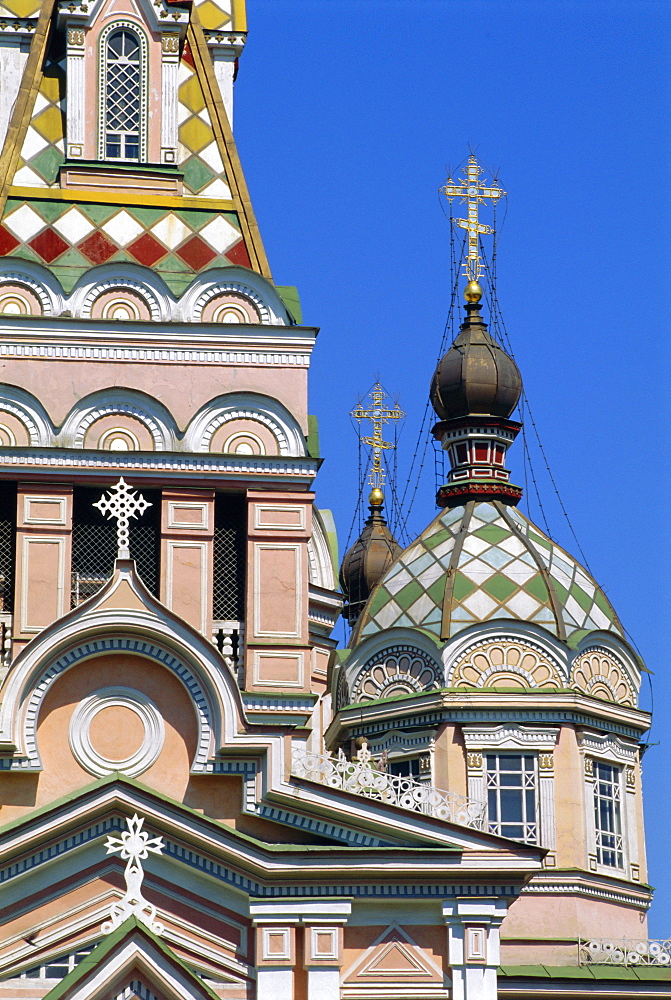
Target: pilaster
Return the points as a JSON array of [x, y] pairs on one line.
[[277, 926], [473, 940], [187, 532], [277, 653], [43, 555], [76, 91]]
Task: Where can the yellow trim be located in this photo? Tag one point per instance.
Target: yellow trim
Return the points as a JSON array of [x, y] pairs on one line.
[[25, 101], [114, 198], [239, 15], [227, 149]]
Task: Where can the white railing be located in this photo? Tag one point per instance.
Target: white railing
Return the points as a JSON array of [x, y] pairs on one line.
[[228, 636], [624, 951], [362, 777]]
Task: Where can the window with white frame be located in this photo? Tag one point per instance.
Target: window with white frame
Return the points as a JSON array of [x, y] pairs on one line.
[[608, 814], [123, 87], [512, 796], [510, 769]]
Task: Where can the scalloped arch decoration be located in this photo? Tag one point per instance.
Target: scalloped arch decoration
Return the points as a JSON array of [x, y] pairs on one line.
[[598, 673], [221, 288], [396, 670], [160, 434], [506, 662], [266, 419], [9, 278], [121, 285], [37, 432]]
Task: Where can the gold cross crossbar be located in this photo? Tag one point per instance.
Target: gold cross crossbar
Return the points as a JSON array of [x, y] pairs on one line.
[[378, 414], [474, 193]]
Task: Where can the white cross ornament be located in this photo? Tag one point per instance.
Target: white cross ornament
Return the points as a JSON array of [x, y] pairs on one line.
[[122, 504]]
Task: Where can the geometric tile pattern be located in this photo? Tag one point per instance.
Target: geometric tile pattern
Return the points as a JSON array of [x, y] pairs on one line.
[[215, 14], [43, 149], [199, 157], [500, 566], [73, 237]]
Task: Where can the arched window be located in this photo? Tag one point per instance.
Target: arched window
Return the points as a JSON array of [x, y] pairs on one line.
[[123, 84]]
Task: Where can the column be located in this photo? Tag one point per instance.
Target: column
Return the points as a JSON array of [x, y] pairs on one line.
[[43, 553], [546, 805], [169, 89], [76, 90], [187, 532], [630, 824], [473, 929]]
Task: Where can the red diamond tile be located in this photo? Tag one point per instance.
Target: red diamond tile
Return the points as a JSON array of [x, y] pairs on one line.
[[147, 250], [187, 57], [8, 242], [97, 248], [196, 253], [239, 255], [49, 245]]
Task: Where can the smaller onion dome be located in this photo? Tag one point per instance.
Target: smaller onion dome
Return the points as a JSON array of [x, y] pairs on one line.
[[476, 376], [368, 559]]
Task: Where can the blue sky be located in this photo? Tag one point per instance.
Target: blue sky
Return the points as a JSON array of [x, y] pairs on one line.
[[347, 117]]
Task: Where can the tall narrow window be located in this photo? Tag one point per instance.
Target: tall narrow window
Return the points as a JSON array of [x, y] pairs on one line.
[[123, 96], [230, 544], [607, 815], [511, 796]]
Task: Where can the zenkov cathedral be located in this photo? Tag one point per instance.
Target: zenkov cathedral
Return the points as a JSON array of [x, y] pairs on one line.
[[200, 796]]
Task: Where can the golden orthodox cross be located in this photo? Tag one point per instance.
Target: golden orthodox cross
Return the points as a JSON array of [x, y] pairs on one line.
[[472, 191], [379, 414]]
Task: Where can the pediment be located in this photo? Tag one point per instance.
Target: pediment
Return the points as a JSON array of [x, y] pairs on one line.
[[132, 963], [395, 957]]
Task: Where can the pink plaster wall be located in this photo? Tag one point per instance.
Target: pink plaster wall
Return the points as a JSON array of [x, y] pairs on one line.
[[183, 389]]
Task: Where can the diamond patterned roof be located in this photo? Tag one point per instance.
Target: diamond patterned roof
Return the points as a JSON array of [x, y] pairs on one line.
[[485, 561]]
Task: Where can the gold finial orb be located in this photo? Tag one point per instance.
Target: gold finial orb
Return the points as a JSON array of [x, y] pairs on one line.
[[473, 291], [376, 498]]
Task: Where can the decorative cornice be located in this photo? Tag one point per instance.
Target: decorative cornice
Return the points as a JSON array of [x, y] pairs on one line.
[[582, 884], [459, 493], [156, 355], [159, 463]]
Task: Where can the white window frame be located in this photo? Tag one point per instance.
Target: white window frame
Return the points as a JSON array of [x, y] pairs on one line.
[[405, 746], [518, 740], [122, 25], [623, 757], [528, 783]]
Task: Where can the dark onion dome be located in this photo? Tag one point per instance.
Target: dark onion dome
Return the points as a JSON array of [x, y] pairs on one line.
[[368, 559], [476, 376]]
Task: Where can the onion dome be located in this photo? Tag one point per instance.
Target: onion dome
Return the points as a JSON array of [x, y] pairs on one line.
[[368, 559], [485, 561], [476, 376]]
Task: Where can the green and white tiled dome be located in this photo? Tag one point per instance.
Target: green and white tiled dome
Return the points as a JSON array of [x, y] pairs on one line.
[[481, 562]]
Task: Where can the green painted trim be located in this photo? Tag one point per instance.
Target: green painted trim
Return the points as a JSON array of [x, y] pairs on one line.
[[291, 299], [110, 166], [591, 972], [112, 198], [331, 532], [312, 437], [129, 927]]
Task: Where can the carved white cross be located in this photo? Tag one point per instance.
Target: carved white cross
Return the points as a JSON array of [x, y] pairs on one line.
[[122, 504], [134, 845]]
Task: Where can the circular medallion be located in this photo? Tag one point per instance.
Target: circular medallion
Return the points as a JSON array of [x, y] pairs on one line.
[[116, 729]]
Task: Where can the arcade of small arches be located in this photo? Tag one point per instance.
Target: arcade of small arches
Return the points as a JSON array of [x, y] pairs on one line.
[[134, 294], [500, 662], [235, 424]]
